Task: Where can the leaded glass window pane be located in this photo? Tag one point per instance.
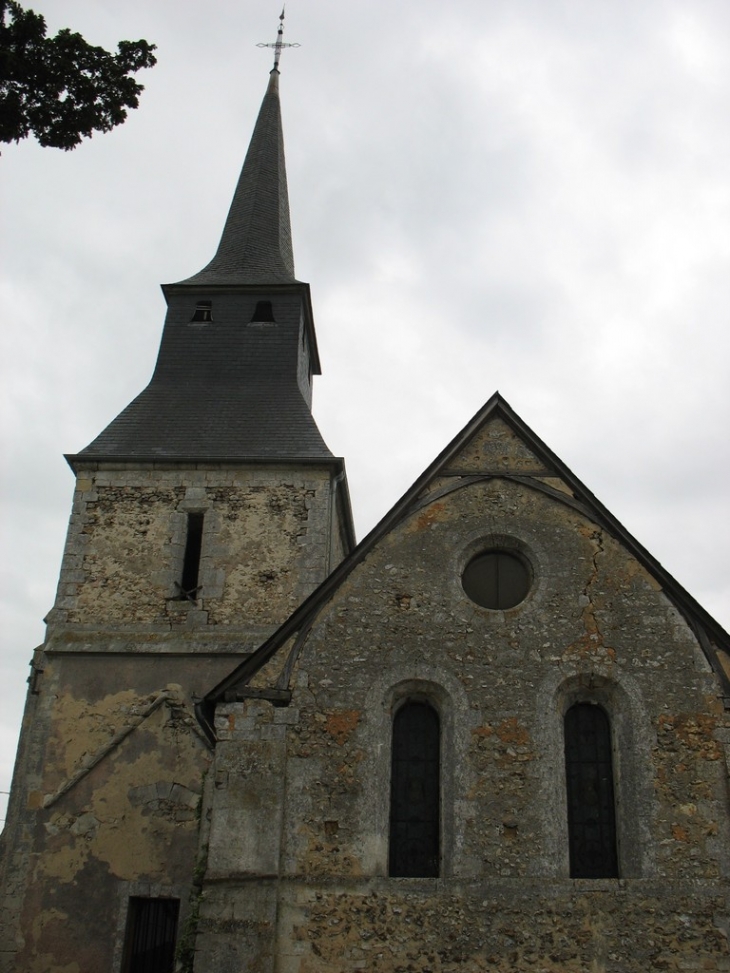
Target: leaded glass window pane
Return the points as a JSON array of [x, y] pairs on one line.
[[415, 792], [589, 776]]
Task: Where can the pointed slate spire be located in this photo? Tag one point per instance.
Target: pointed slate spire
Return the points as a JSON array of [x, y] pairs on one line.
[[256, 245], [233, 380]]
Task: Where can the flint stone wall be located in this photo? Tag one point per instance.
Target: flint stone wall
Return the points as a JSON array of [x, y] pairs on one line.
[[595, 627]]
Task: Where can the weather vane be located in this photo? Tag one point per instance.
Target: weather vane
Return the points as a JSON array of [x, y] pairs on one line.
[[279, 45]]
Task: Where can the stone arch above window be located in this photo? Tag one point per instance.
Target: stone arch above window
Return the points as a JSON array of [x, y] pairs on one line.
[[396, 687], [631, 737]]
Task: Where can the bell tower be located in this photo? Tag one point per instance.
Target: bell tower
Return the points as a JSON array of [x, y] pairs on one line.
[[218, 465], [203, 515]]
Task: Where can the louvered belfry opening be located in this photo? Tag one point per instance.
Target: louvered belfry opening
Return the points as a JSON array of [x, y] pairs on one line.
[[203, 312], [151, 935], [415, 792], [263, 313], [589, 777]]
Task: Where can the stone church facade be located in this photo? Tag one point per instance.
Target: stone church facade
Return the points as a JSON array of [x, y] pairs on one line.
[[493, 735]]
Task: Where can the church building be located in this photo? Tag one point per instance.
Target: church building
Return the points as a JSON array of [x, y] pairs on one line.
[[493, 735]]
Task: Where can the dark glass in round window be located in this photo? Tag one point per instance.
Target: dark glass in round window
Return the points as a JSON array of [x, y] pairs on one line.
[[496, 579]]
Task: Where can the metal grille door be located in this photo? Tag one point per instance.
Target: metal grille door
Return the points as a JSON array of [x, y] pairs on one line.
[[151, 933]]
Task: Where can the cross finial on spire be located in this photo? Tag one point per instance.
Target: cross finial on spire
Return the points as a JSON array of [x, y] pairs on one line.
[[279, 45]]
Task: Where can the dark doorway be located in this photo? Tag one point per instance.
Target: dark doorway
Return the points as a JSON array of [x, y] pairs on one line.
[[151, 932]]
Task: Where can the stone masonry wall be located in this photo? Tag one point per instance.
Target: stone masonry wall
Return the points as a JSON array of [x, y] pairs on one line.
[[267, 542], [107, 799], [595, 627]]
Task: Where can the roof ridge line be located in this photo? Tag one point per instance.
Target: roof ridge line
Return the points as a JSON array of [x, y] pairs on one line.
[[495, 405]]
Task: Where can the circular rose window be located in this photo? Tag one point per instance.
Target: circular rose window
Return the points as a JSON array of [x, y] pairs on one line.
[[496, 579]]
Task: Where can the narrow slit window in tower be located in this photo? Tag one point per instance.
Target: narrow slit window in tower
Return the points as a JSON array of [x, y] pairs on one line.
[[189, 586]]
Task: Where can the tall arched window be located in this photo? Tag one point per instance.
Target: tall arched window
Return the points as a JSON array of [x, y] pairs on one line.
[[589, 777], [415, 792]]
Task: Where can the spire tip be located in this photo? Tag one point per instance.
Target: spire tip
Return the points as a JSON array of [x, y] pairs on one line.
[[279, 44]]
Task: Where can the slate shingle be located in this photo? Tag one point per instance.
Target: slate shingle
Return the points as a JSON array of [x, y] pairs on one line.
[[256, 245], [231, 389]]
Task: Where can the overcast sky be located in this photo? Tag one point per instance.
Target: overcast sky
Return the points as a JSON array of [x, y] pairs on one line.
[[524, 195]]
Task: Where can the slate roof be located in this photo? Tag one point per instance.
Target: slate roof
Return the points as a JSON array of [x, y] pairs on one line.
[[226, 390], [256, 245], [707, 630], [261, 420]]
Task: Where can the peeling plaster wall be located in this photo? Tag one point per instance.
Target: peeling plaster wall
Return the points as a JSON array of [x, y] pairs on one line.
[[595, 627], [267, 542], [130, 817], [112, 766]]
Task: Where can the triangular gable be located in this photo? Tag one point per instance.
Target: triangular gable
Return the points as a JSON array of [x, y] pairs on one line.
[[495, 447], [495, 443]]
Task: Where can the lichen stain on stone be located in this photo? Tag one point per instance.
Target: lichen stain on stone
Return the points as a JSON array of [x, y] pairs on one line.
[[245, 594], [510, 731], [35, 800], [590, 645], [696, 732], [148, 853], [679, 833], [433, 514], [63, 863], [257, 572], [348, 768], [341, 724], [635, 570], [323, 854], [130, 840], [46, 918]]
